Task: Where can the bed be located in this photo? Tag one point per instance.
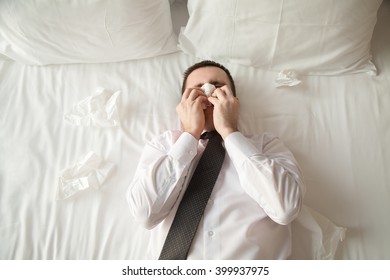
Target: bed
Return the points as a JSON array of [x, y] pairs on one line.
[[84, 84]]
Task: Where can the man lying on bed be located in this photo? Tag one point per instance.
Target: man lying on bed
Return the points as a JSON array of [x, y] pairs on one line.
[[257, 194]]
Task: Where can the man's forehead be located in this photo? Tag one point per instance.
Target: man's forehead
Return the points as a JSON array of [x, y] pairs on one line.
[[208, 74]]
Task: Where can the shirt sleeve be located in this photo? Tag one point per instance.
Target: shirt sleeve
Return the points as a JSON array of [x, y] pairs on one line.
[[269, 173], [159, 177]]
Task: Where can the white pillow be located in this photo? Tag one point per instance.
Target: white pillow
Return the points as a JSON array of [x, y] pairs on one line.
[[309, 36], [55, 32]]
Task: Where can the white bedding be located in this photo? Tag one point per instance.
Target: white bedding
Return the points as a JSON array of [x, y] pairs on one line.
[[337, 126]]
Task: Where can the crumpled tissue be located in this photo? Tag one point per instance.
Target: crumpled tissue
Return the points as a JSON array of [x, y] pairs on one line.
[[208, 89], [96, 110], [90, 171], [287, 78], [314, 236]]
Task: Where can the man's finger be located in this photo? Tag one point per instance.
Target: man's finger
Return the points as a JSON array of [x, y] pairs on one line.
[[213, 100], [194, 94], [227, 91]]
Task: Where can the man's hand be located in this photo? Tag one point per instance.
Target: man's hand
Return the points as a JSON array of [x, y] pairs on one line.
[[191, 112], [226, 108]]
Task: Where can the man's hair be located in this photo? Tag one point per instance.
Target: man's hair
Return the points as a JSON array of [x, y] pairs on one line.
[[207, 63]]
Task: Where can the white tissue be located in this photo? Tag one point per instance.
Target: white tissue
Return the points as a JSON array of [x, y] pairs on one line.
[[287, 78], [90, 171], [208, 89], [314, 236], [97, 110]]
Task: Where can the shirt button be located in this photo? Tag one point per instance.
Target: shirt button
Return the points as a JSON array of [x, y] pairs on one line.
[[211, 233]]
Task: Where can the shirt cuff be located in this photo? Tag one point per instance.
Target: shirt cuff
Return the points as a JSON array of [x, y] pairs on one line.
[[184, 149]]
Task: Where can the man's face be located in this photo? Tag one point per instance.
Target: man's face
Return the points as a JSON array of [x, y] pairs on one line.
[[212, 75]]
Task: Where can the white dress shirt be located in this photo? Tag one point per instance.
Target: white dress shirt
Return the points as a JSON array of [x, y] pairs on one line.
[[258, 193]]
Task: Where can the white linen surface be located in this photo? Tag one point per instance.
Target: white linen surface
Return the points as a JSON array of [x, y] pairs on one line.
[[56, 32], [337, 127], [309, 36]]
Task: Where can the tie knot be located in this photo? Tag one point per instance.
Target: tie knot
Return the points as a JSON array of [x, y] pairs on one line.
[[209, 134]]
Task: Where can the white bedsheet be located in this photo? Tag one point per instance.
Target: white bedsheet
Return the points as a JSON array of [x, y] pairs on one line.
[[338, 128]]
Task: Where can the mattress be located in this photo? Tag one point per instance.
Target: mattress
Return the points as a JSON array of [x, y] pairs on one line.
[[338, 127]]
